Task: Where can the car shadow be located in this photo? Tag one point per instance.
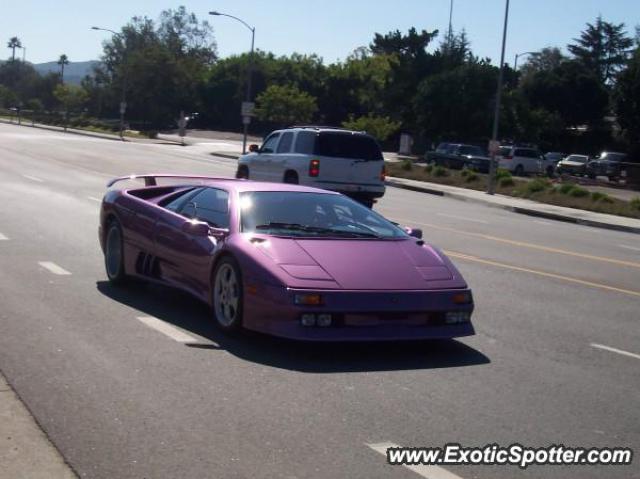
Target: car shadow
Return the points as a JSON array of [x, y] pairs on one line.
[[189, 314]]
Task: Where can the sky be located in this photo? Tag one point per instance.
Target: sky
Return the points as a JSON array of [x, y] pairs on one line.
[[330, 28]]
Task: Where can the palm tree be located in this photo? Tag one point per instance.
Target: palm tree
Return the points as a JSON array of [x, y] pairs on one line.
[[62, 61], [14, 42]]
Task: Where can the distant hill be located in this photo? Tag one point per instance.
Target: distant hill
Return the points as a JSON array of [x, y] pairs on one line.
[[74, 72]]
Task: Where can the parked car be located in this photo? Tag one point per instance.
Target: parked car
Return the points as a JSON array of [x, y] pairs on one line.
[[554, 157], [346, 161], [285, 260], [573, 165], [606, 164], [521, 160], [456, 155]]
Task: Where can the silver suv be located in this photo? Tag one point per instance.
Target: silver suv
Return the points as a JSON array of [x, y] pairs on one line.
[[336, 159]]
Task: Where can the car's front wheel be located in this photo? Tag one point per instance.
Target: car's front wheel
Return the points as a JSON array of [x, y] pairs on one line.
[[114, 253], [227, 295], [243, 172]]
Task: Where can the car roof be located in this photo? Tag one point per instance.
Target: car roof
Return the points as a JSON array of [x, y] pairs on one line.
[[321, 128], [248, 185]]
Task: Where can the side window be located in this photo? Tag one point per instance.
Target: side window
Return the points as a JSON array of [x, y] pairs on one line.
[[210, 205], [285, 142], [305, 142], [177, 203], [269, 145]]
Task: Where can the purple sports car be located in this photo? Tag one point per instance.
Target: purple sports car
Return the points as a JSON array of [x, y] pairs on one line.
[[286, 260]]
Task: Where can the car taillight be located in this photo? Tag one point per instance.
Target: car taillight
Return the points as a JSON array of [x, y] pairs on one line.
[[383, 173], [314, 168], [507, 157]]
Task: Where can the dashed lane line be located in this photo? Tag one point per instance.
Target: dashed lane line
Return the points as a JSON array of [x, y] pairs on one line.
[[3, 237], [93, 198], [54, 268], [166, 329], [615, 350], [463, 218], [430, 472], [33, 178]]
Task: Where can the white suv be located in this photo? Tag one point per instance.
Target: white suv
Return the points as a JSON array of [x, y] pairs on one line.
[[520, 160], [346, 161]]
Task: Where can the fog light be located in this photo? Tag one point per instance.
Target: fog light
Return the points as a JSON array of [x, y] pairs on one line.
[[324, 320], [308, 319], [308, 299], [462, 298], [456, 317]]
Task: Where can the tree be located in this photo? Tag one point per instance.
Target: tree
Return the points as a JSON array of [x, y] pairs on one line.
[[602, 47], [544, 60], [71, 96], [627, 101], [285, 105], [13, 43], [62, 61], [381, 127], [8, 98]]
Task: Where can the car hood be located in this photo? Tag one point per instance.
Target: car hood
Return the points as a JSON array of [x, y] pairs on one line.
[[572, 163], [363, 264]]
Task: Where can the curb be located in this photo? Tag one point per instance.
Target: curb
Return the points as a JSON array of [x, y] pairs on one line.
[[518, 209]]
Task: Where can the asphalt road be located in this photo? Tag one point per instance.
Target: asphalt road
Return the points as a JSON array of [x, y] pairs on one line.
[[121, 399]]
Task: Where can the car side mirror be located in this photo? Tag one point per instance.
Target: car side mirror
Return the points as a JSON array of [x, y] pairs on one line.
[[218, 233], [415, 232], [253, 148], [196, 228]]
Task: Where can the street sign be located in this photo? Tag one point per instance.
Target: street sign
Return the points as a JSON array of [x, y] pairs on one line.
[[123, 107], [247, 108], [246, 120], [494, 147]]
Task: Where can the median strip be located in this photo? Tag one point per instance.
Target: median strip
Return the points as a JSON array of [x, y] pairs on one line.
[[428, 471]]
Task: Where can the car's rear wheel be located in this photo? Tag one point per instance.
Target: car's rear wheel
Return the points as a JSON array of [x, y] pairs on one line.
[[291, 177], [519, 170], [550, 171], [243, 172], [114, 253], [227, 295]]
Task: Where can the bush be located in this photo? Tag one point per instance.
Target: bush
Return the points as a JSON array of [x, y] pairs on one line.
[[603, 197], [635, 203], [464, 172], [536, 186], [153, 134], [502, 173], [578, 192], [440, 171], [566, 188], [407, 165], [381, 127], [471, 176], [429, 169], [506, 181]]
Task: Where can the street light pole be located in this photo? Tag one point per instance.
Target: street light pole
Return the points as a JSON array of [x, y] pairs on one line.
[[515, 63], [245, 120], [123, 100], [491, 186]]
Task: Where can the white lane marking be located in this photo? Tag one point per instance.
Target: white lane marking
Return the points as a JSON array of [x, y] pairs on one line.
[[614, 350], [430, 472], [33, 178], [547, 223], [464, 218], [3, 237], [166, 329], [53, 268], [93, 198], [632, 248]]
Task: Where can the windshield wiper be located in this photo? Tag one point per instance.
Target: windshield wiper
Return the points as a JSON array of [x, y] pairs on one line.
[[315, 229]]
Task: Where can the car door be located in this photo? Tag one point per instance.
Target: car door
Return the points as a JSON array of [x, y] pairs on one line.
[[185, 258], [282, 158], [262, 165]]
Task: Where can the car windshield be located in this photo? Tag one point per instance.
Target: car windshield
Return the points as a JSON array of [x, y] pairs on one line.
[[504, 151], [289, 213], [577, 158]]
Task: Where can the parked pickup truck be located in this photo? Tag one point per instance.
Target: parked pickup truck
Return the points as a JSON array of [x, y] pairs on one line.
[[456, 155]]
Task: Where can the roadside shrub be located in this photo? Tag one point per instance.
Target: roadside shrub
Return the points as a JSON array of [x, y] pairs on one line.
[[502, 173], [599, 196], [464, 172], [440, 171], [407, 165], [635, 203], [471, 177], [506, 181], [578, 192], [429, 168], [536, 186], [566, 188], [153, 134]]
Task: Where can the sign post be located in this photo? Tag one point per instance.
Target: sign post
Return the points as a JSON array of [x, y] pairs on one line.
[[246, 111], [182, 125]]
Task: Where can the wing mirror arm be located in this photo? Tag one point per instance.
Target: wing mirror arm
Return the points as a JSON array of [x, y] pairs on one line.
[[218, 233]]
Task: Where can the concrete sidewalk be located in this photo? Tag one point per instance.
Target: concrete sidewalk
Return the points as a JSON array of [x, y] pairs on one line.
[[523, 206], [25, 451]]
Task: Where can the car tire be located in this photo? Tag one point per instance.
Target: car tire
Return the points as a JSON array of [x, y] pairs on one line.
[[243, 173], [519, 171], [550, 171], [227, 295], [291, 177], [114, 254]]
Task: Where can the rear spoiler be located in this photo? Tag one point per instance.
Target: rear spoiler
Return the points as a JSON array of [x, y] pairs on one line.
[[150, 180]]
